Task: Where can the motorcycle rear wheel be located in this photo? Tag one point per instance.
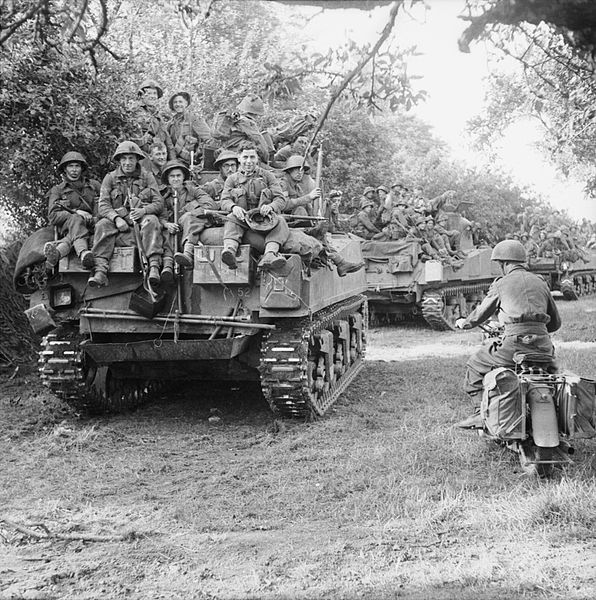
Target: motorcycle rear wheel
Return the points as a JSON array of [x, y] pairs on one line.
[[530, 456]]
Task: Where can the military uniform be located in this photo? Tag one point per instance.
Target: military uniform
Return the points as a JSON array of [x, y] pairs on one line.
[[186, 130], [150, 124], [66, 198], [119, 194], [525, 307], [250, 191]]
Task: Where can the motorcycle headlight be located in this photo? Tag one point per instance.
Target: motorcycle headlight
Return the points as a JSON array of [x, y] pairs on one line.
[[61, 296]]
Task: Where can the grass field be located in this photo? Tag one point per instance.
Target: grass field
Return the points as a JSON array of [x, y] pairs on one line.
[[381, 499]]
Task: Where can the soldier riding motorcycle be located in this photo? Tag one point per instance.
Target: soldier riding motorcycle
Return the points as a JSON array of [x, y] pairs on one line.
[[519, 399]]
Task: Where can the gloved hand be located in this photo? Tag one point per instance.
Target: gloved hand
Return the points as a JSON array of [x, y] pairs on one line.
[[461, 323], [121, 224]]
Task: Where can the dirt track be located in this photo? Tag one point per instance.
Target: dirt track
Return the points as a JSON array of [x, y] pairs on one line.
[[381, 499]]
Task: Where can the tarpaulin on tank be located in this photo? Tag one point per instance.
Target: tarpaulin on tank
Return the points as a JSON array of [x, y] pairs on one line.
[[31, 253], [401, 255]]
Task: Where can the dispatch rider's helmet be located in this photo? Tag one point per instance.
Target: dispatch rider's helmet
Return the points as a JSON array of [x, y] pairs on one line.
[[72, 157], [509, 250], [127, 147]]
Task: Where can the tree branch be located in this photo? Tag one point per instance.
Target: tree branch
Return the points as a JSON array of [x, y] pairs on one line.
[[355, 71], [11, 30]]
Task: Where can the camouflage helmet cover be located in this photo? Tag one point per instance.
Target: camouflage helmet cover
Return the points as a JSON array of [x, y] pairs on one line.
[[170, 166], [72, 157], [251, 104], [185, 95], [128, 147], [150, 83], [224, 156], [509, 250], [296, 161]]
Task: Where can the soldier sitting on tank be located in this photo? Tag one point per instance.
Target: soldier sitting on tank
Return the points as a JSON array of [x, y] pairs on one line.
[[417, 233], [73, 211], [365, 228], [386, 205], [553, 246], [530, 246], [235, 127], [186, 129], [282, 156], [524, 306], [451, 237], [158, 157], [192, 220], [149, 121], [300, 193], [253, 187], [129, 198], [227, 163]]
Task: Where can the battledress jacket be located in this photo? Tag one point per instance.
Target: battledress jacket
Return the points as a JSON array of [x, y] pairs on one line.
[[191, 199], [251, 191], [149, 120], [522, 302], [184, 125], [116, 188], [297, 192], [74, 197]]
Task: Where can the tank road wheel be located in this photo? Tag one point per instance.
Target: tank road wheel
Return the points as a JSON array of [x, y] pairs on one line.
[[306, 364], [75, 378]]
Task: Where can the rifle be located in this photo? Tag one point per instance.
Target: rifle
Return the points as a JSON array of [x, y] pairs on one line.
[[221, 213], [319, 204]]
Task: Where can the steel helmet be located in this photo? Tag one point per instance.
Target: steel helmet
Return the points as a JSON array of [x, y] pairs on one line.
[[128, 147], [251, 104], [72, 157], [150, 83], [174, 164], [224, 156], [296, 161], [510, 250], [367, 190], [185, 95], [258, 222], [384, 188], [366, 202]]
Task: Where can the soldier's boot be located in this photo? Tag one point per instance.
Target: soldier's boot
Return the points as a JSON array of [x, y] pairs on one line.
[[99, 278], [186, 258], [271, 258], [167, 271], [85, 255], [343, 265], [228, 254], [54, 251], [474, 421], [154, 277]]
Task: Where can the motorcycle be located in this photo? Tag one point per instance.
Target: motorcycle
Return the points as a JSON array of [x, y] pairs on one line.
[[537, 411]]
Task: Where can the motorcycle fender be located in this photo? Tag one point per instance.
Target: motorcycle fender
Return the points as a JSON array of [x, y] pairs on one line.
[[545, 431]]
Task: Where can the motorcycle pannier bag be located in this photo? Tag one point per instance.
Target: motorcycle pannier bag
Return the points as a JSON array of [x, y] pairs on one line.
[[503, 406], [577, 407]]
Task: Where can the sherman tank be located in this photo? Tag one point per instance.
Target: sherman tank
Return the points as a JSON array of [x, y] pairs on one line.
[[402, 285], [574, 278], [300, 330]]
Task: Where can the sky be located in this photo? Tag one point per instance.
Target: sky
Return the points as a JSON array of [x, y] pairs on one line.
[[456, 87]]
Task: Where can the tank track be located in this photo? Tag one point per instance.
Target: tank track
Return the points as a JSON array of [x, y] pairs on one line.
[[299, 377], [441, 308], [580, 284], [62, 369]]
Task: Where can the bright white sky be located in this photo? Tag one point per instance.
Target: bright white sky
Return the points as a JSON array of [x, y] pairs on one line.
[[454, 81]]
